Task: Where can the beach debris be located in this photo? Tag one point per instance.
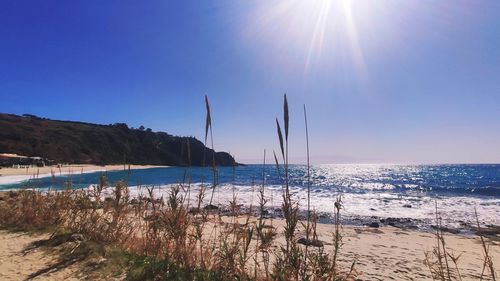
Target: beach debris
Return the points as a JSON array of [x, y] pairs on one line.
[[406, 206]]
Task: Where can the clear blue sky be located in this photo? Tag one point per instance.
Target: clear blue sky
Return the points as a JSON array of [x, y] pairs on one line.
[[384, 81]]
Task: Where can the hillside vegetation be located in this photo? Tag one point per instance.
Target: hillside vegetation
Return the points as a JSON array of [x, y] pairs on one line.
[[77, 142]]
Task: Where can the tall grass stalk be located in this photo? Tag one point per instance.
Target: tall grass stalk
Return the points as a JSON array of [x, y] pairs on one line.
[[171, 241], [308, 230], [488, 260]]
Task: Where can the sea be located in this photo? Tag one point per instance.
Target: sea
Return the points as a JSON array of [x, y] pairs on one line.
[[413, 196]]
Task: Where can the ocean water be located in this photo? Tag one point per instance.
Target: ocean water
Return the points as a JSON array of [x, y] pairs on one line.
[[369, 192]]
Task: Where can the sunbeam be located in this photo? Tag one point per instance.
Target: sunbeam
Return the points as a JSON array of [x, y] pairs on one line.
[[318, 32]]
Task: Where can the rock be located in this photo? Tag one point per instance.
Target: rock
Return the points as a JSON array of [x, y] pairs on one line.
[[323, 216], [95, 263], [406, 206], [446, 229], [154, 201], [310, 242], [13, 194], [211, 207], [397, 222], [76, 237], [374, 225], [490, 230], [463, 223], [153, 217], [193, 210]]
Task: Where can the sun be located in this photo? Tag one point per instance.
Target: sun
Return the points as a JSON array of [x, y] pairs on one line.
[[315, 28]]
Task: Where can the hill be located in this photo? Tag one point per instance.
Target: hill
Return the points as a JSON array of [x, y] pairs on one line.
[[78, 142]]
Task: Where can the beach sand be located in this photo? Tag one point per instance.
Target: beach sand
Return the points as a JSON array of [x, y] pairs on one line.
[[391, 253], [16, 264], [68, 169], [386, 253]]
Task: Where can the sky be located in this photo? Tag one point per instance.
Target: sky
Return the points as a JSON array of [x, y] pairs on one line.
[[411, 81]]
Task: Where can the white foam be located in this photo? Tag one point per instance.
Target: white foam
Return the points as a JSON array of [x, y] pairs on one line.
[[452, 209]]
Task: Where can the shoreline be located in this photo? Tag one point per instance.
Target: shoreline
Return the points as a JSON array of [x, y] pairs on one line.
[[381, 253], [426, 226], [15, 175], [248, 204]]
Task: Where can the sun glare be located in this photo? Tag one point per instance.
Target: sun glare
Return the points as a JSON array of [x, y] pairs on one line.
[[317, 29]]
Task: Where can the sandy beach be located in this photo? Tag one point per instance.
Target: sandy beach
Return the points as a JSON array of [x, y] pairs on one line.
[[385, 253], [68, 169], [14, 175], [391, 253], [16, 263], [281, 140]]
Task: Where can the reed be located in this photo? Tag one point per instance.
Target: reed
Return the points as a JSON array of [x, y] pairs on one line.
[[438, 259], [488, 260], [443, 264], [165, 238], [308, 230]]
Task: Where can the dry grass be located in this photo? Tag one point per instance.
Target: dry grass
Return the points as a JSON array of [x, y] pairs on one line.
[[168, 239], [443, 263]]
